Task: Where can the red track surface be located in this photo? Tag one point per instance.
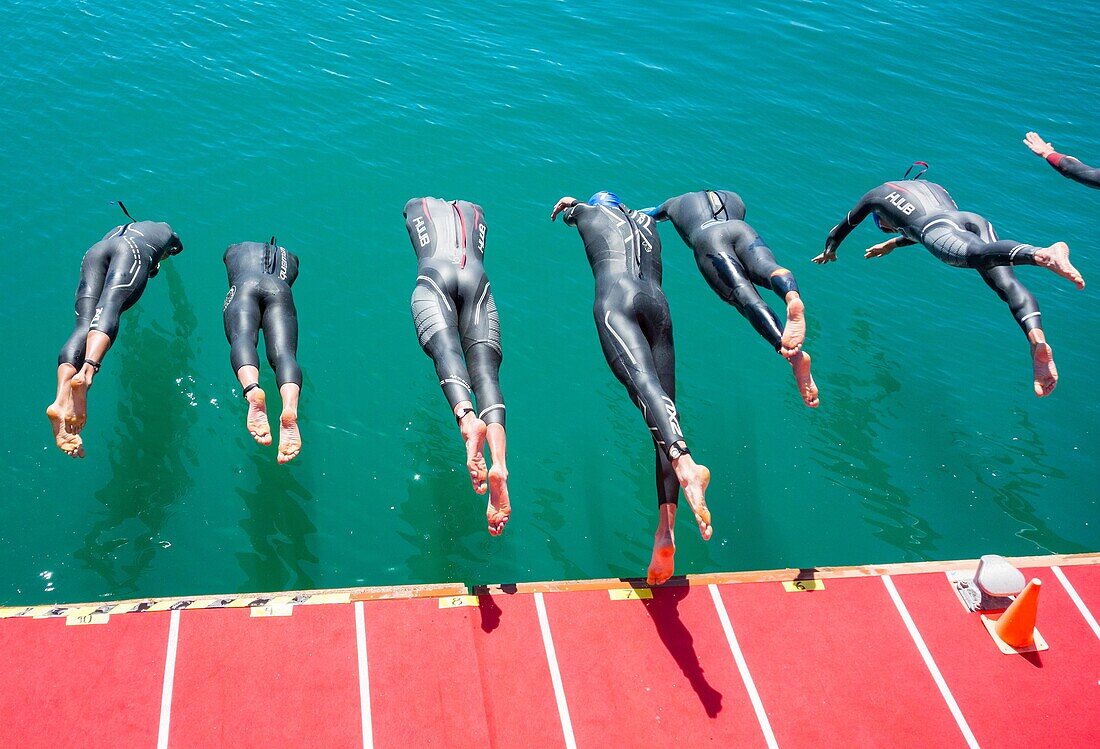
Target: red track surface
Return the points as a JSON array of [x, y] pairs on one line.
[[837, 667]]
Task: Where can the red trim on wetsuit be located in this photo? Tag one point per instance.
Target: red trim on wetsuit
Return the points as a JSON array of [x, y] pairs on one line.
[[1054, 158], [462, 222]]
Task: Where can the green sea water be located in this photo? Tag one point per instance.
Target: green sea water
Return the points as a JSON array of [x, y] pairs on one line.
[[317, 121]]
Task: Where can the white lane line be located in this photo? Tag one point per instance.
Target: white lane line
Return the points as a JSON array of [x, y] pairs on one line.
[[169, 679], [555, 674], [931, 664], [364, 677], [1077, 600], [743, 667]]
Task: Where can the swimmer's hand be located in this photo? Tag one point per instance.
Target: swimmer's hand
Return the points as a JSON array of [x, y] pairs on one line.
[[881, 249], [561, 205], [828, 256], [1038, 146]]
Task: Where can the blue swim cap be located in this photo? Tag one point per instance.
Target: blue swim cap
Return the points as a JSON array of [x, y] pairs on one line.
[[603, 197]]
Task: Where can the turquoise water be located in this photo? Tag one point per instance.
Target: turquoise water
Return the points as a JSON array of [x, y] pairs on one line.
[[316, 121]]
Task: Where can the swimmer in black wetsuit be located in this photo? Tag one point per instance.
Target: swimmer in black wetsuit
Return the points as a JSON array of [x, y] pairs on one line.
[[260, 277], [113, 275], [456, 322], [1067, 165], [635, 330], [732, 258], [923, 212]]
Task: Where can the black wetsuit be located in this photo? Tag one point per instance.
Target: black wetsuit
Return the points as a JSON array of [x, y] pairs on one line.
[[113, 275], [730, 254], [260, 277], [634, 323], [1075, 169], [923, 212], [452, 304]]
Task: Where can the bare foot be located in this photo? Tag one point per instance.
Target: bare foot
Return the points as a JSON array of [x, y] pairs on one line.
[[694, 480], [1042, 363], [794, 332], [499, 509], [77, 417], [256, 421], [662, 564], [807, 388], [473, 434], [290, 442], [68, 442], [1056, 257]]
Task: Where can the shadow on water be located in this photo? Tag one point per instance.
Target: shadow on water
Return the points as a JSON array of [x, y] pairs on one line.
[[277, 527], [1016, 478], [151, 450], [676, 637], [852, 433], [550, 515], [442, 510]]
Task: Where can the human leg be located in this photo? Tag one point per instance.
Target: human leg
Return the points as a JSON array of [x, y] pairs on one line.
[[692, 477], [1025, 309], [69, 362], [241, 316], [127, 274], [484, 361], [966, 240], [762, 268], [280, 325], [437, 330]]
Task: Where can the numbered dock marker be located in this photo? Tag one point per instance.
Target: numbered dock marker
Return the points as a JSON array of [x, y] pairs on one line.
[[283, 609], [454, 602], [630, 594]]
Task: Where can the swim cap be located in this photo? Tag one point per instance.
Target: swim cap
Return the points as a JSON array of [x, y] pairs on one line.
[[603, 197], [878, 223]]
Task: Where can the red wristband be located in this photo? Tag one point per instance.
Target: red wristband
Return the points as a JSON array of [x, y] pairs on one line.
[[1053, 158]]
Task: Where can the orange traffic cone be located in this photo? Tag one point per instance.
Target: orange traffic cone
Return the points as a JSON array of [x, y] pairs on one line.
[[1016, 627]]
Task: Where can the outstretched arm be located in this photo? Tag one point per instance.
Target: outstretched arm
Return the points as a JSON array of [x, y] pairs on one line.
[[1070, 167], [885, 248], [561, 205], [861, 210], [660, 213]]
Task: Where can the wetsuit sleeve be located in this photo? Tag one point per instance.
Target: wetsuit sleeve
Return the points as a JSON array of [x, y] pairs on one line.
[[569, 216], [175, 246], [660, 213], [1075, 169], [861, 210]]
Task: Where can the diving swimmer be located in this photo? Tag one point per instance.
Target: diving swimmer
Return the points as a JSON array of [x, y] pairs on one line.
[[732, 258], [923, 212], [113, 275], [260, 277], [457, 326], [1070, 167], [635, 331]]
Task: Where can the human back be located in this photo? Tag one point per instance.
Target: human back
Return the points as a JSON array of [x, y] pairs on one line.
[[621, 244], [260, 261]]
